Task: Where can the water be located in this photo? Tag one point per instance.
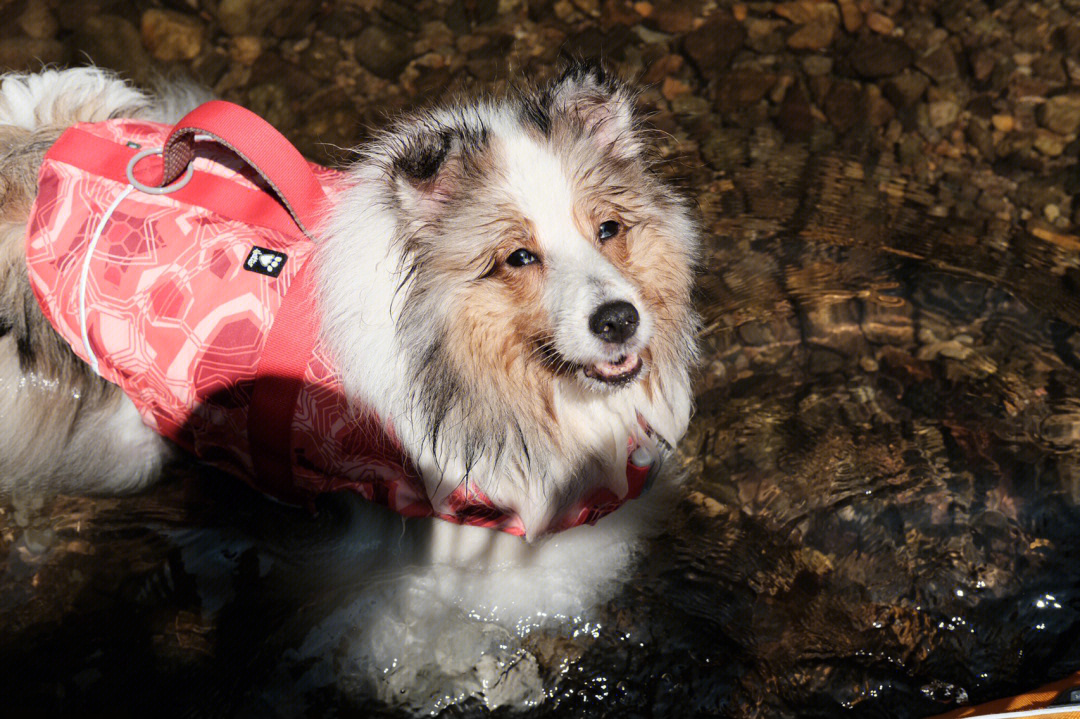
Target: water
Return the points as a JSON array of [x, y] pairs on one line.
[[880, 521], [880, 517]]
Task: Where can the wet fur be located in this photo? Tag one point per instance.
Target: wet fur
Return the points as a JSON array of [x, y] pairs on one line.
[[478, 382], [63, 427], [471, 361]]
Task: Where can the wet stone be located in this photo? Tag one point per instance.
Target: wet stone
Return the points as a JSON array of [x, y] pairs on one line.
[[113, 42], [879, 23], [844, 105], [383, 52], [271, 101], [171, 35], [248, 17], [819, 32], [1060, 114], [939, 63], [342, 21], [815, 65], [690, 105], [293, 20], [851, 15], [879, 111], [739, 88], [833, 325], [671, 16], [982, 64], [980, 134], [800, 12], [1049, 143], [1061, 429], [1067, 39], [765, 36], [321, 57], [27, 54], [725, 147], [38, 21], [795, 118], [245, 49], [905, 89], [71, 15], [943, 113], [824, 361], [1051, 67], [594, 43], [272, 68], [38, 541], [875, 56], [711, 47]]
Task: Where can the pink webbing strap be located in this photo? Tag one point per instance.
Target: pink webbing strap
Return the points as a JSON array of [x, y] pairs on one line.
[[279, 376], [259, 145], [278, 380]]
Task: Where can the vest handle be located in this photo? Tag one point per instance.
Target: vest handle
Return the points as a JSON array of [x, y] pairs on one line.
[[258, 144]]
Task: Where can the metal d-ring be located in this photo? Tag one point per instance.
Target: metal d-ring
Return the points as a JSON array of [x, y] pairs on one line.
[[155, 190]]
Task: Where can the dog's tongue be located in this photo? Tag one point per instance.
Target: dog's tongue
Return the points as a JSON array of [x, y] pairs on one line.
[[611, 370]]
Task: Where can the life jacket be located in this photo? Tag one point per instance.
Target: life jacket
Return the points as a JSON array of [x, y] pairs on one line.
[[199, 303]]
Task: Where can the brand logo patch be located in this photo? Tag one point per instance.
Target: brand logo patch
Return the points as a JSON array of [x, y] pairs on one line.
[[265, 262]]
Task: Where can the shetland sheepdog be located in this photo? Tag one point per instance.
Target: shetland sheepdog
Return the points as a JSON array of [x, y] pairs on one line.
[[507, 281]]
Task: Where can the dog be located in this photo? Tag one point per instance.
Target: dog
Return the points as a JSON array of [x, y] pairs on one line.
[[507, 282]]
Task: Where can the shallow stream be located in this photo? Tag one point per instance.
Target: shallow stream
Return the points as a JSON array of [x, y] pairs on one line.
[[883, 475]]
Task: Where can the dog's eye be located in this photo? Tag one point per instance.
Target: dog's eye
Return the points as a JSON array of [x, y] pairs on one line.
[[607, 230], [521, 257]]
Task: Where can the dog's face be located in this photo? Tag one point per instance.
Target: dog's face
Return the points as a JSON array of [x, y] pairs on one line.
[[544, 302]]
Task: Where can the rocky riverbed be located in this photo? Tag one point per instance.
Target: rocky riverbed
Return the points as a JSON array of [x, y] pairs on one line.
[[885, 463]]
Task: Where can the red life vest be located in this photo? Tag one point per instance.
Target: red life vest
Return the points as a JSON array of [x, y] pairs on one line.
[[199, 304]]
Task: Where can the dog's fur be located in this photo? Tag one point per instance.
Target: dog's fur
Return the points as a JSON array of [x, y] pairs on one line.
[[487, 369], [480, 366]]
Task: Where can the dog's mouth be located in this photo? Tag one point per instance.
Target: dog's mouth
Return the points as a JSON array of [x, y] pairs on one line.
[[623, 370]]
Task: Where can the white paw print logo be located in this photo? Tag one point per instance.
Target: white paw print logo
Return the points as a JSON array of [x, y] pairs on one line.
[[269, 262], [265, 262]]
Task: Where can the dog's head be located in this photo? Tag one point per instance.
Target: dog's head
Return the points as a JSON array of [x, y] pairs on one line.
[[542, 306]]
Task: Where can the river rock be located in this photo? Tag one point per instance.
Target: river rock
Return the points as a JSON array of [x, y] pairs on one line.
[[172, 35], [1060, 114], [711, 47], [248, 17], [939, 63], [943, 113], [38, 21], [740, 88], [875, 56], [818, 24], [851, 15], [844, 105], [383, 52], [113, 42], [23, 54], [905, 89]]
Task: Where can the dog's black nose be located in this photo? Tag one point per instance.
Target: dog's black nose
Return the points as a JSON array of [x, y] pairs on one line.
[[614, 322]]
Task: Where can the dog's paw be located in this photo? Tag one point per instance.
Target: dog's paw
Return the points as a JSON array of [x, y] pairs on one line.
[[510, 679]]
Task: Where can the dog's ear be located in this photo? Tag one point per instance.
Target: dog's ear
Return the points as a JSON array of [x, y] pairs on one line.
[[605, 107], [431, 163], [426, 169]]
